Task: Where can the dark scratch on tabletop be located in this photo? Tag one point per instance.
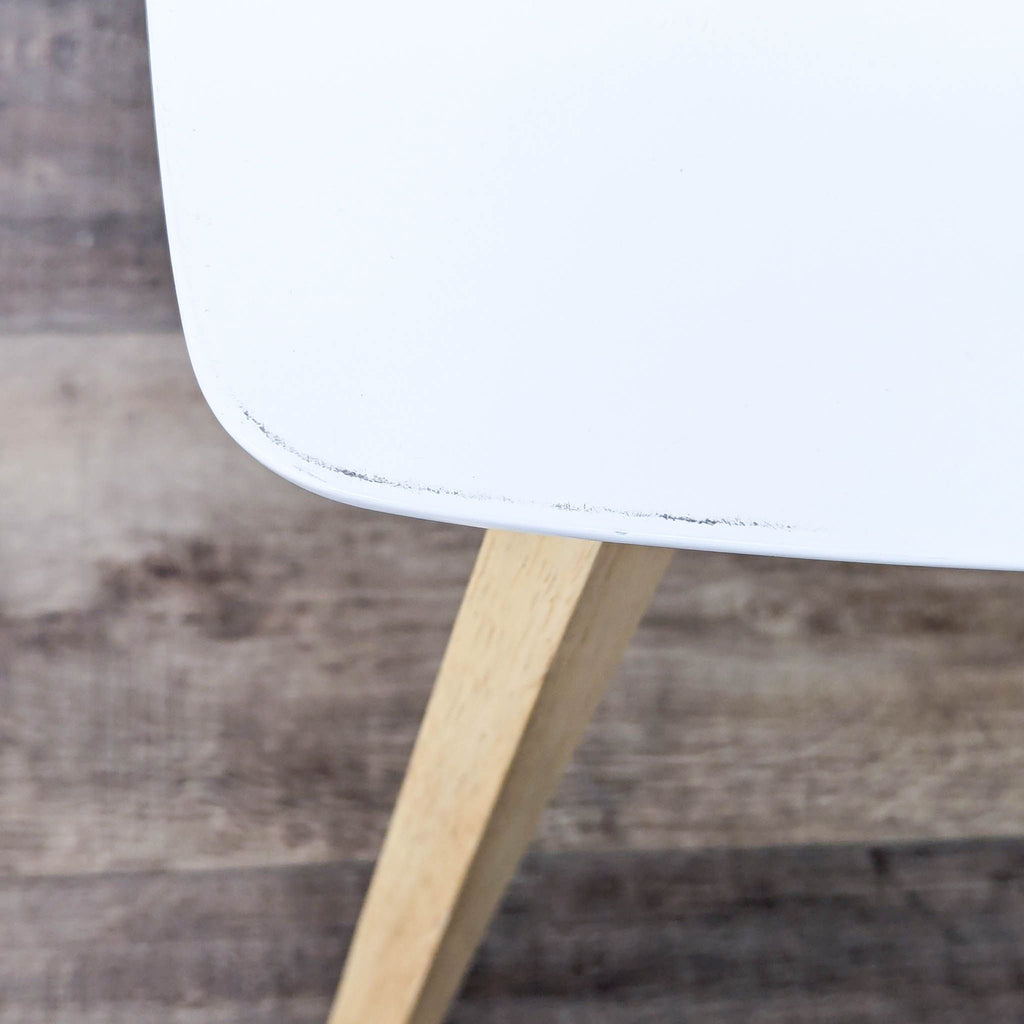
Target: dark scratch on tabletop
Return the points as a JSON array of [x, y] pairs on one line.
[[560, 506]]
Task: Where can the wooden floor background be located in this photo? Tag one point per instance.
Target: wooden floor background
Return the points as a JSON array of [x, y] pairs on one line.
[[801, 800]]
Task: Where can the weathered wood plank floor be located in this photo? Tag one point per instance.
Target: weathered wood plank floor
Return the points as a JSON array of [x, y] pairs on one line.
[[210, 681], [82, 240], [839, 934]]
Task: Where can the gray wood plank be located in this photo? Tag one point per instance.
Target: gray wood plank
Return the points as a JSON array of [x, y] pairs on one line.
[[82, 239], [927, 933], [203, 666]]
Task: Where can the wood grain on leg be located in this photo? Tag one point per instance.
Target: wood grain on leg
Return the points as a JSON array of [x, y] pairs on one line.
[[544, 623]]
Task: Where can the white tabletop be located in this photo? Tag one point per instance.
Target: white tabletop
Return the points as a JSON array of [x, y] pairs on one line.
[[728, 274]]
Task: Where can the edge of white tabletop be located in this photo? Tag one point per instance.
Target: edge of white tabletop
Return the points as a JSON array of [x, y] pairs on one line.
[[439, 503], [442, 502]]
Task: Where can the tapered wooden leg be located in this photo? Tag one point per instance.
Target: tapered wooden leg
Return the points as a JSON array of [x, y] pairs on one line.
[[543, 624]]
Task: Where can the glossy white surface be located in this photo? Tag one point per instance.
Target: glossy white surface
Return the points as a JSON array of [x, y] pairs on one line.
[[737, 275]]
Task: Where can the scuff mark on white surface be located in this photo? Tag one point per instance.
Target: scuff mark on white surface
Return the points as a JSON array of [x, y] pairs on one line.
[[560, 506]]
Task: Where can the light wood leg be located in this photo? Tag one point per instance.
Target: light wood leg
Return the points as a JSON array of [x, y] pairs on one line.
[[543, 624]]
